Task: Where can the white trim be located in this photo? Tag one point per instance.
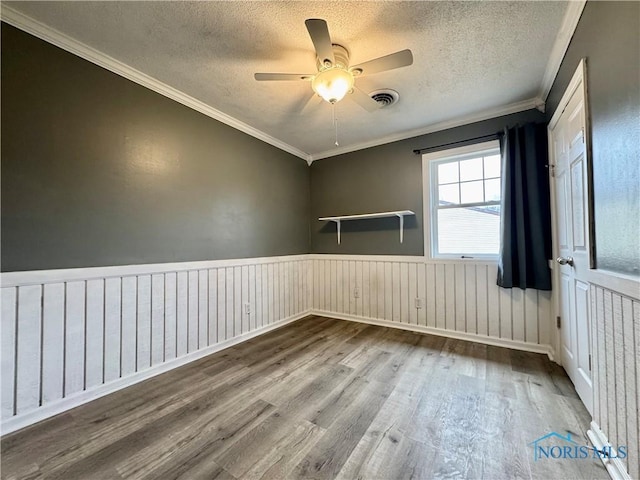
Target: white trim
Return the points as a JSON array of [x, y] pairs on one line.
[[625, 284], [429, 160], [576, 80], [565, 34], [397, 259], [481, 257], [470, 337], [55, 37], [59, 39], [559, 49], [436, 127], [458, 152], [622, 283], [619, 283], [615, 467], [554, 338], [37, 277], [377, 258], [69, 44], [15, 423]]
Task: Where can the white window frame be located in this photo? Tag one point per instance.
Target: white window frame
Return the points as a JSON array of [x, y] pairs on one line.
[[430, 196]]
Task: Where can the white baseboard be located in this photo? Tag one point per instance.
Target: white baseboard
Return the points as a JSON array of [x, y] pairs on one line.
[[614, 466], [48, 411], [498, 342], [16, 423]]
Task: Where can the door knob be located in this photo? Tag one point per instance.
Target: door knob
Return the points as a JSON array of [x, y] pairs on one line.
[[565, 261]]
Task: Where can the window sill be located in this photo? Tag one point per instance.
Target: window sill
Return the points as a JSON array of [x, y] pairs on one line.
[[466, 258]]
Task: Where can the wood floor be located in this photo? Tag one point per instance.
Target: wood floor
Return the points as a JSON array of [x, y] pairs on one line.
[[320, 398]]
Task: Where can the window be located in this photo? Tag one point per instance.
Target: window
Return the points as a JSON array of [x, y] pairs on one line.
[[464, 186]]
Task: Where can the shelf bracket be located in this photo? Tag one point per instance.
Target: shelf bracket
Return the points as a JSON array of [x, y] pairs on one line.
[[338, 227], [401, 217]]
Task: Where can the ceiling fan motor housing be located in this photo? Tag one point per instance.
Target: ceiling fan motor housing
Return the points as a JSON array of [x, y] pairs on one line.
[[341, 56]]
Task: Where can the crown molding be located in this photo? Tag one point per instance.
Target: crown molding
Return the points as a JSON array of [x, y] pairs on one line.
[[560, 46], [61, 40], [436, 127]]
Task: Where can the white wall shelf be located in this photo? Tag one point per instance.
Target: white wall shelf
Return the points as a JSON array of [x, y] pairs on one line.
[[398, 213]]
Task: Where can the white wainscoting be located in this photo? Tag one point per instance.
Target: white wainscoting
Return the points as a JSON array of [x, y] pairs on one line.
[[615, 331], [69, 336], [460, 299]]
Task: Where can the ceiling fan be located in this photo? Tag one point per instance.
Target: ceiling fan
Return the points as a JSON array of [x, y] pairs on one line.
[[335, 78]]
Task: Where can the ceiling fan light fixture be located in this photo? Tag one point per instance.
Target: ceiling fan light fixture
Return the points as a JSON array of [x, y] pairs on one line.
[[333, 84], [335, 78]]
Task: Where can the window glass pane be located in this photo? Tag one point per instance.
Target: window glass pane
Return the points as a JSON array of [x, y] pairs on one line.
[[492, 166], [492, 190], [473, 230], [488, 209], [448, 172], [449, 194], [471, 169], [471, 192]]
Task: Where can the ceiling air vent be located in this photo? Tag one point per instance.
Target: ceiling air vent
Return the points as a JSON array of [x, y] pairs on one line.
[[386, 97]]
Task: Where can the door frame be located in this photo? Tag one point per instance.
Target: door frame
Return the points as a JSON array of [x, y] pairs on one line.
[[579, 80]]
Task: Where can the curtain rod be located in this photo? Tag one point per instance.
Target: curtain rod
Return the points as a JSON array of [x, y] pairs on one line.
[[491, 136]]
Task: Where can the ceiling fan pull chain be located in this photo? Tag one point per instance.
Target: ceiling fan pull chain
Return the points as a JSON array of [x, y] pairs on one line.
[[335, 123]]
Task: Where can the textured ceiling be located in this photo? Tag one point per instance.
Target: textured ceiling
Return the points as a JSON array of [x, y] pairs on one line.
[[469, 57]]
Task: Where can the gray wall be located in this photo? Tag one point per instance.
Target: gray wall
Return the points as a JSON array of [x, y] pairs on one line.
[[97, 170], [608, 35], [387, 177]]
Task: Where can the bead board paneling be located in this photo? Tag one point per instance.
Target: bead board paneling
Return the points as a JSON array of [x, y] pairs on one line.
[[69, 336], [616, 374], [451, 298]]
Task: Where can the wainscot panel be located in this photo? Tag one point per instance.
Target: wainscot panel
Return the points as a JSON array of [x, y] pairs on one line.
[[615, 336], [458, 299], [70, 336]]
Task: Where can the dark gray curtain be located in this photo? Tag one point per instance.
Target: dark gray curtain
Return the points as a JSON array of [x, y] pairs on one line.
[[525, 227]]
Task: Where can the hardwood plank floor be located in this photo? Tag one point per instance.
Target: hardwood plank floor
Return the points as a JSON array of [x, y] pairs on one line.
[[320, 399]]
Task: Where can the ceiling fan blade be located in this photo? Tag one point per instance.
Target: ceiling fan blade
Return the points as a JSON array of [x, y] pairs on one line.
[[364, 100], [319, 33], [311, 105], [261, 77], [399, 59]]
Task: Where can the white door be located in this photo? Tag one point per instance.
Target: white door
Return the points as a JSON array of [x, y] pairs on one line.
[[571, 192]]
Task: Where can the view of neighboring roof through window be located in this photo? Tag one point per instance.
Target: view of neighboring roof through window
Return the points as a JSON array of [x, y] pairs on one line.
[[465, 206]]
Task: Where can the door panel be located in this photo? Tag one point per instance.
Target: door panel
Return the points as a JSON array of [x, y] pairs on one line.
[[577, 203], [572, 242], [563, 202]]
